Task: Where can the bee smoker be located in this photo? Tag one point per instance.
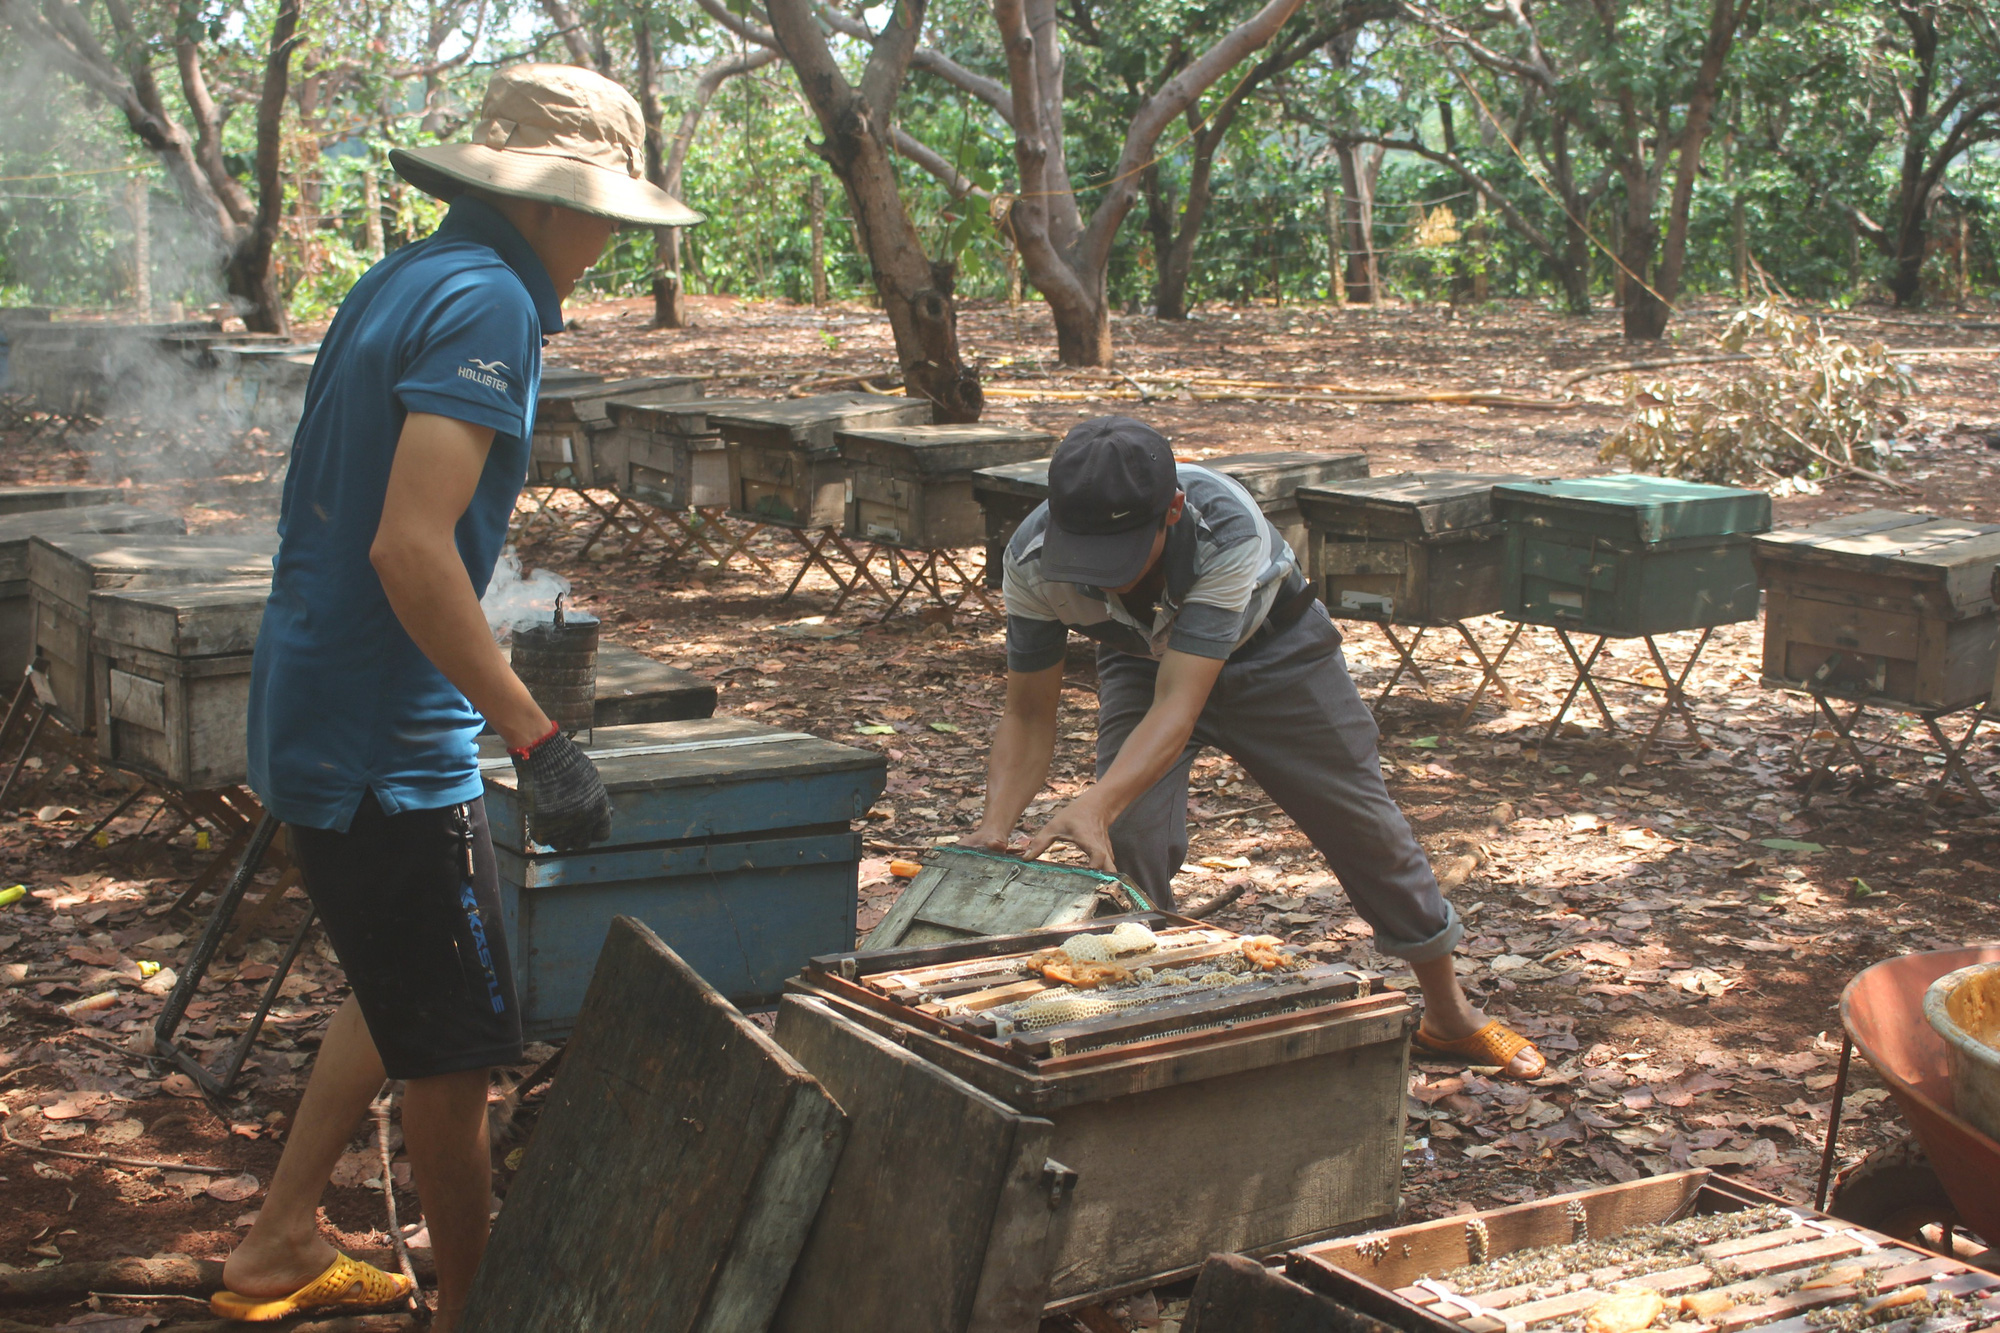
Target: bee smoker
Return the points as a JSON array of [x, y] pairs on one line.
[[557, 660]]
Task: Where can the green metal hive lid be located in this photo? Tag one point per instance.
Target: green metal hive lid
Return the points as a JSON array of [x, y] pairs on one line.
[[1653, 509]]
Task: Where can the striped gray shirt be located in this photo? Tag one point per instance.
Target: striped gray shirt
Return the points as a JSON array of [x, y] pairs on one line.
[[1225, 567]]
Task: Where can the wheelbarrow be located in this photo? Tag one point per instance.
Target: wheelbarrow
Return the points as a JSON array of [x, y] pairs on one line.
[[1894, 1188]]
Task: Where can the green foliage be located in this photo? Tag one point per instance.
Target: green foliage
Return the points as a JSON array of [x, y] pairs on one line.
[[1813, 405]]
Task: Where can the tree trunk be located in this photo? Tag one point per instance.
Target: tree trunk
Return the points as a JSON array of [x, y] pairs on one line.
[[1357, 179], [916, 293], [1083, 335], [250, 277], [1645, 313], [1336, 276], [816, 217], [371, 213], [138, 209]]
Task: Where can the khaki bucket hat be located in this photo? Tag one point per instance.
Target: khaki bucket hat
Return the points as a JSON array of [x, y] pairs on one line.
[[557, 134]]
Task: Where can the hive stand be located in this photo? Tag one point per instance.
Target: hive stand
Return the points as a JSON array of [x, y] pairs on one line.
[[1845, 739], [649, 457], [569, 410], [1888, 611], [1629, 557], [786, 473], [1416, 550]]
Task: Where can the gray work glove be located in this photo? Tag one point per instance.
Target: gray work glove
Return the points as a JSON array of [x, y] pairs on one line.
[[568, 808]]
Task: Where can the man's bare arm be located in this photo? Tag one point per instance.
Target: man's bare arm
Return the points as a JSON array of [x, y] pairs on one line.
[[1179, 694], [415, 554], [1023, 743]]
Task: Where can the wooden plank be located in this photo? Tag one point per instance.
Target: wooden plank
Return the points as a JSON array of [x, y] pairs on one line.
[[674, 1174], [901, 1242], [1438, 1246], [1235, 1294]]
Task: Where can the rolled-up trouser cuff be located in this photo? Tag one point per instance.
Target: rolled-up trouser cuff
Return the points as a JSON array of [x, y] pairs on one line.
[[1424, 951]]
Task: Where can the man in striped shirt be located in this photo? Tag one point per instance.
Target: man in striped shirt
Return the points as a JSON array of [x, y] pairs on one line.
[[1208, 635]]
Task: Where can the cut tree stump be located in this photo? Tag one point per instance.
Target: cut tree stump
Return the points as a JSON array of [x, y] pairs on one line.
[[673, 1178]]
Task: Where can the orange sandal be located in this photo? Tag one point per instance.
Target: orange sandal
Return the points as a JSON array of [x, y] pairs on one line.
[[1495, 1044], [346, 1285]]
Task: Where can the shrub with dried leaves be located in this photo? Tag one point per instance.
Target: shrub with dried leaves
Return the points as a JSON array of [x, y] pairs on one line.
[[1811, 406]]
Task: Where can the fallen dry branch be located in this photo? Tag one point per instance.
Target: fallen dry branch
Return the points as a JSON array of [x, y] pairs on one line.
[[1663, 363], [1454, 397], [1231, 891], [161, 1275], [111, 1159]]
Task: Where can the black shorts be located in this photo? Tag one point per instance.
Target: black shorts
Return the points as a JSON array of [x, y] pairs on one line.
[[419, 938]]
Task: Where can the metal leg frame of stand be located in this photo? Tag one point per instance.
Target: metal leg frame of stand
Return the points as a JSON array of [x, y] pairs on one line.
[[212, 1084], [1955, 767], [1489, 667], [1674, 689]]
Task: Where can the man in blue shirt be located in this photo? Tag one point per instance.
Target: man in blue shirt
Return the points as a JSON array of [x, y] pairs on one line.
[[375, 669]]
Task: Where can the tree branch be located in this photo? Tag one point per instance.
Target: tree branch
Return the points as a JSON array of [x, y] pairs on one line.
[[956, 182], [1160, 110]]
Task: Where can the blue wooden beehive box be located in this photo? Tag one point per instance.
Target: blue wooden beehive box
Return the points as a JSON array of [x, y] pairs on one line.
[[731, 839], [1629, 555]]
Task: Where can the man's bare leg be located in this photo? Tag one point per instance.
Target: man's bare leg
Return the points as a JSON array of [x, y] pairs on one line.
[[444, 1127], [1449, 1014], [284, 1249]]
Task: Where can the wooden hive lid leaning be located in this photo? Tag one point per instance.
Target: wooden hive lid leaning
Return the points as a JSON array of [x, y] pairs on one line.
[[1957, 557], [1412, 504], [943, 450], [71, 568], [16, 530], [1629, 506], [200, 620], [963, 893], [27, 499], [1274, 475], [809, 423]]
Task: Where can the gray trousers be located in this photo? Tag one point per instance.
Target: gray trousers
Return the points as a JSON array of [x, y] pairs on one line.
[[1286, 710]]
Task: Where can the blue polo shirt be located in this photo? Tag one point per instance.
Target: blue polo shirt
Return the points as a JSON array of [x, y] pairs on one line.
[[342, 701]]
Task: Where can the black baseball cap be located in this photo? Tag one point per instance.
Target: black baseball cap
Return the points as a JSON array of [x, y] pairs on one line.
[[1111, 481]]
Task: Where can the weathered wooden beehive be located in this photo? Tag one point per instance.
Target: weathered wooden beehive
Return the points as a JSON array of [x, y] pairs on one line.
[[663, 449], [1630, 555], [1414, 548], [784, 466], [78, 366], [1069, 1153], [1273, 480], [171, 670], [570, 414], [912, 485], [15, 531], [1006, 495], [64, 571], [731, 839], [32, 499], [264, 386], [1688, 1249], [965, 894], [1009, 494], [1882, 605]]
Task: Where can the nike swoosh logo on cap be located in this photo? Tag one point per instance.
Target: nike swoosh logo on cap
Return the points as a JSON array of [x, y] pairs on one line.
[[1122, 513]]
